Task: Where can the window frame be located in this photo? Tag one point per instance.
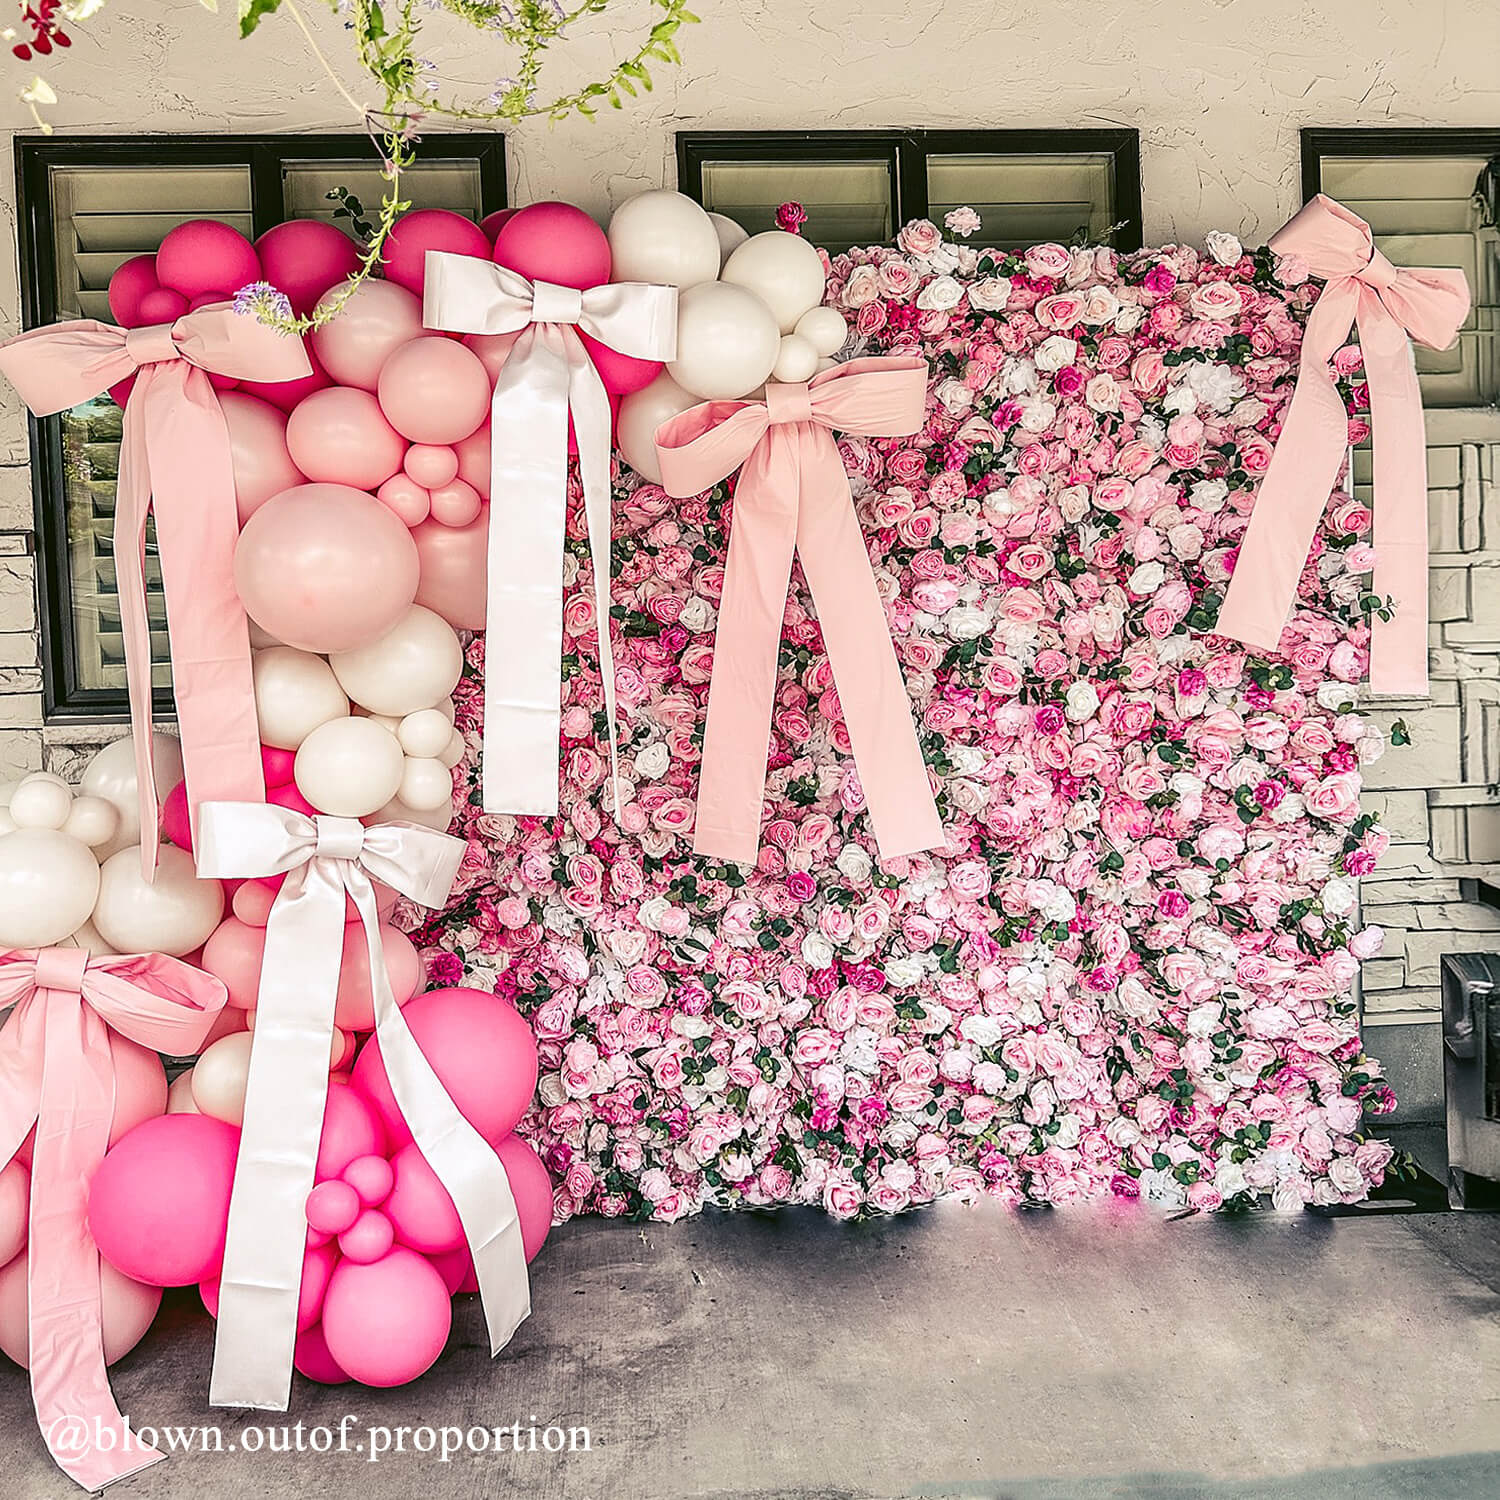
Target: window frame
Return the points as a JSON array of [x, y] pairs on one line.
[[63, 696], [1319, 141], [905, 151]]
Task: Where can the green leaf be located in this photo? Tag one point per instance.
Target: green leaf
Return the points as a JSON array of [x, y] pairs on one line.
[[251, 12]]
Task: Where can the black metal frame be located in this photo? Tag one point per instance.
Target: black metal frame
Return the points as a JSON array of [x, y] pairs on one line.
[[264, 155], [904, 154], [1380, 140]]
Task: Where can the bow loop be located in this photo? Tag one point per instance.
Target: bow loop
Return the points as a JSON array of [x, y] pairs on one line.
[[555, 304], [788, 401], [62, 969], [151, 345]]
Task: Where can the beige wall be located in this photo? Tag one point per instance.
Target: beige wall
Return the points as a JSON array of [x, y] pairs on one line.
[[1218, 89]]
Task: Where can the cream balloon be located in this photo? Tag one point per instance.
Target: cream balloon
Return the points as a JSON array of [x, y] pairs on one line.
[[40, 801], [349, 767], [731, 235], [727, 340], [411, 666], [180, 1099], [397, 811], [220, 1076], [92, 821], [295, 691], [174, 914], [663, 237], [426, 784], [111, 775], [425, 733], [796, 360], [48, 885], [453, 752], [641, 413], [824, 328], [87, 937], [783, 270]]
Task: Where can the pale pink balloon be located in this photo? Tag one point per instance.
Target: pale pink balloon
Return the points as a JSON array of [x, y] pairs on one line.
[[386, 1322], [341, 436], [404, 253], [474, 455], [493, 350], [554, 242], [140, 1085], [257, 444], [455, 503], [234, 954], [434, 390], [376, 320], [127, 1309], [204, 255], [228, 1021], [454, 567], [404, 497], [325, 567], [304, 257], [431, 464], [15, 1208]]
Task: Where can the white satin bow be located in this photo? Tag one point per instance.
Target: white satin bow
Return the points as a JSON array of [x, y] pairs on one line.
[[323, 858], [547, 374]]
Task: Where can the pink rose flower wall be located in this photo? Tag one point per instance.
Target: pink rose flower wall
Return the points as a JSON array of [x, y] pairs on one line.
[[1130, 971]]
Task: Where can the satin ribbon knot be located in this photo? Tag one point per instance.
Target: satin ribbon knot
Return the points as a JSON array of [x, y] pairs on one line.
[[175, 460], [793, 496], [1391, 306], [57, 1072], [546, 378], [324, 860]]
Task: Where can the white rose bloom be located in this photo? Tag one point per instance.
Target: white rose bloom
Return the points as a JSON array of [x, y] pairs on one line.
[[1229, 1178], [968, 760], [1082, 701], [964, 622], [1248, 412], [980, 1029], [1018, 377], [944, 258], [1129, 318], [990, 295], [1181, 398], [1203, 1020], [1152, 431], [1336, 696], [817, 951], [1209, 494], [1218, 386], [653, 761], [1056, 353], [551, 1090], [697, 614], [854, 864], [1037, 413], [1147, 578], [1102, 393], [1186, 541], [1339, 898], [902, 973], [956, 397], [940, 295], [1101, 306], [1223, 246], [1068, 1133], [970, 797]]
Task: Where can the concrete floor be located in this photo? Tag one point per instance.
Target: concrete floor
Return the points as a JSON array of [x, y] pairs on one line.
[[952, 1352]]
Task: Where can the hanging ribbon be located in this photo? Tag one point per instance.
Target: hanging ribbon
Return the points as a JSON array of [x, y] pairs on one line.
[[547, 375], [793, 494], [324, 858], [175, 459], [1390, 306], [57, 1073]]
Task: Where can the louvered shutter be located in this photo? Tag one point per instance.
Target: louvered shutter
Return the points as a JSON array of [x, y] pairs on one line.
[[1026, 200], [847, 202]]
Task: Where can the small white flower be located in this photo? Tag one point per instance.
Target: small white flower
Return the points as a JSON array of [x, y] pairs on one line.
[[1056, 353], [1224, 247], [1082, 700], [697, 614], [990, 295], [653, 761], [1147, 578], [965, 622], [940, 295]]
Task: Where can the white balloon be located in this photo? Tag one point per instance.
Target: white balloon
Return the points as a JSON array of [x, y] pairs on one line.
[[397, 811], [41, 801], [220, 1076], [349, 767], [662, 237], [453, 751], [641, 413], [111, 775], [824, 328], [260, 637], [731, 235], [796, 360], [416, 662], [783, 270], [446, 708], [827, 364], [180, 1095], [425, 733], [295, 691], [92, 821], [727, 340], [88, 937], [173, 914], [426, 784], [48, 885]]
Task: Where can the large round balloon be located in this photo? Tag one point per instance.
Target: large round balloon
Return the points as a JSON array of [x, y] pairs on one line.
[[641, 414], [126, 1308], [554, 242], [295, 691], [15, 1208], [783, 270], [48, 885], [341, 436], [204, 257], [317, 1266], [663, 237], [531, 1187], [454, 569], [132, 281], [479, 1046], [257, 443], [386, 1322], [377, 319], [173, 914], [731, 235], [304, 257], [350, 767], [434, 390], [727, 341], [111, 775], [220, 1077], [325, 567], [417, 662], [404, 253], [159, 1202]]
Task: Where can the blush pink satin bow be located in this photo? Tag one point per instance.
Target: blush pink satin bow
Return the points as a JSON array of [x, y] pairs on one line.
[[547, 375], [324, 858], [57, 1073], [175, 459], [793, 495], [1391, 306]]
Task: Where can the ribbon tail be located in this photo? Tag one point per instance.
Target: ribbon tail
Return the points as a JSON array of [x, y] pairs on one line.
[[69, 1383], [591, 421], [523, 619], [465, 1163], [747, 639], [872, 692], [284, 1105]]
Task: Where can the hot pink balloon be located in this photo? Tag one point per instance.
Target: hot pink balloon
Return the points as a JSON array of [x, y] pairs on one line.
[[288, 796], [304, 257], [176, 824], [386, 1323], [162, 306], [317, 1267], [159, 1203], [287, 394], [531, 1186], [325, 567], [372, 1178], [351, 1129], [404, 497], [419, 1205], [313, 1360], [621, 373], [206, 256], [412, 235], [493, 223], [127, 1309], [454, 567], [554, 242], [434, 390], [480, 1047], [614, 416], [257, 444], [474, 455], [130, 282], [277, 764], [341, 436], [455, 504], [376, 320], [431, 464]]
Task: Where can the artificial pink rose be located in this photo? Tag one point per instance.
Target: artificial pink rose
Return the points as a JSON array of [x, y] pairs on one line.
[[1050, 260]]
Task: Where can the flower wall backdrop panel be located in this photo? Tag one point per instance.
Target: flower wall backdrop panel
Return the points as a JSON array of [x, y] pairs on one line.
[[1130, 972]]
